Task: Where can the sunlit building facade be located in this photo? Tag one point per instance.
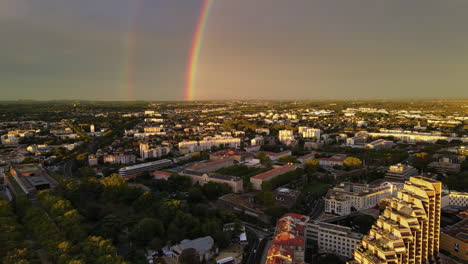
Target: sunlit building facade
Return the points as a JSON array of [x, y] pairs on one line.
[[408, 231], [288, 244]]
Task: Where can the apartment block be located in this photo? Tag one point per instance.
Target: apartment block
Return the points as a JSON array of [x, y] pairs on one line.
[[336, 239], [347, 197], [408, 230]]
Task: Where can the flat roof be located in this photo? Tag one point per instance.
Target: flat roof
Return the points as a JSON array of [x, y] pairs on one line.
[[147, 164]]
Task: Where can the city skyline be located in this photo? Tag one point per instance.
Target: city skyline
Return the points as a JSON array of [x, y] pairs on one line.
[[210, 50]]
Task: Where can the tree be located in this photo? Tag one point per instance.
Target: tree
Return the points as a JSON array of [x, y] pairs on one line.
[[147, 229], [213, 190], [266, 198], [421, 160], [86, 172], [276, 212], [288, 159], [264, 159], [311, 165], [352, 162]]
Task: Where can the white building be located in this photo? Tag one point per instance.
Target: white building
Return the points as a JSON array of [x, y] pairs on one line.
[[380, 144], [330, 238], [360, 139], [157, 152], [459, 199], [207, 143], [286, 136], [414, 137], [204, 247], [262, 130], [140, 168], [347, 197], [258, 140], [308, 132]]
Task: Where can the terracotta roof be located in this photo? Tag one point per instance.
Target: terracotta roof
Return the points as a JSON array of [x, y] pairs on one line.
[[273, 172], [208, 164], [310, 155]]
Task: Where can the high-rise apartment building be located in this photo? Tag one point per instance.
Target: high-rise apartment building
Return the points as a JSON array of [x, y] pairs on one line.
[[408, 230], [286, 136]]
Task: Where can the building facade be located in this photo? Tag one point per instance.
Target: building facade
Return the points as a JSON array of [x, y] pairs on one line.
[[288, 243], [408, 230], [258, 179], [336, 239]]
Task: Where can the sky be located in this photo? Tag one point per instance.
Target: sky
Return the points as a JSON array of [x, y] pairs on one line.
[[252, 49]]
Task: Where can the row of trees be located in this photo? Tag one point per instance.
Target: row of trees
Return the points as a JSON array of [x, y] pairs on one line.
[[58, 229], [13, 239], [135, 219]]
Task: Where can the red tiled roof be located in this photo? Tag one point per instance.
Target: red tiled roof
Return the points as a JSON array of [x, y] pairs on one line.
[[310, 155], [165, 173], [273, 172], [208, 164], [288, 236]]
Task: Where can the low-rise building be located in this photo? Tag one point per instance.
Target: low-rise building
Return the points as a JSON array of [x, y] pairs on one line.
[[380, 144], [132, 171], [258, 179], [331, 161], [212, 165], [286, 197], [454, 239], [243, 204], [202, 178], [400, 172], [204, 247], [92, 160], [459, 199], [347, 197], [336, 239], [236, 155], [288, 243], [27, 179], [444, 165]]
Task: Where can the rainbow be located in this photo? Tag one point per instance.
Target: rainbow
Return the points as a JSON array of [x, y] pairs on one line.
[[196, 48], [131, 48]]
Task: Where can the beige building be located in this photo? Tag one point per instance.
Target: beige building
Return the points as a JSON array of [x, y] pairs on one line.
[[258, 179], [454, 239], [286, 136], [400, 172], [408, 231], [336, 239], [347, 197], [202, 178], [459, 199]]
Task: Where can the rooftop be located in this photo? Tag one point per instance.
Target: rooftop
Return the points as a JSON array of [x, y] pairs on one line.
[[273, 172]]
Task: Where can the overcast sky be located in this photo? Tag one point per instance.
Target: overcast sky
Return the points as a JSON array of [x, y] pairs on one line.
[[253, 49]]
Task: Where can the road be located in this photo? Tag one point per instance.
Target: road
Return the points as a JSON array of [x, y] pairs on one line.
[[257, 251]]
